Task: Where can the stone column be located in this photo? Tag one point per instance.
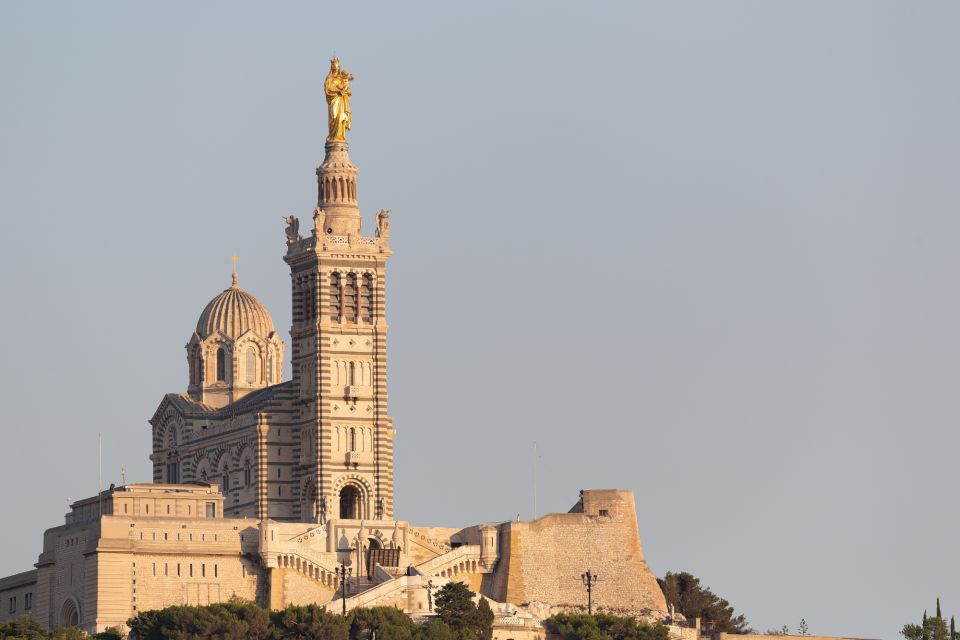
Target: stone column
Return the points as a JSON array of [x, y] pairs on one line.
[[263, 430]]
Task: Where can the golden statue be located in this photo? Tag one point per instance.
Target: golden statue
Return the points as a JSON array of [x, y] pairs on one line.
[[337, 88]]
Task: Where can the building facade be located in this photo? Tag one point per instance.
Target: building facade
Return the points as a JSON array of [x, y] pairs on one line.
[[261, 487]]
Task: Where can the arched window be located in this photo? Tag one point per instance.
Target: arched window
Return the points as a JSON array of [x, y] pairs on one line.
[[350, 503], [366, 298], [225, 483], [221, 365], [247, 474], [350, 298], [336, 300], [353, 439], [251, 365], [309, 304], [198, 371]]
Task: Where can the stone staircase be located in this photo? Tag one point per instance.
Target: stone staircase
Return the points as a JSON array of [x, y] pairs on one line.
[[389, 590], [308, 564], [464, 559]]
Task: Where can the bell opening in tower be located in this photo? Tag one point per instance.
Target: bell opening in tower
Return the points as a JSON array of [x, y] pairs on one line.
[[350, 503]]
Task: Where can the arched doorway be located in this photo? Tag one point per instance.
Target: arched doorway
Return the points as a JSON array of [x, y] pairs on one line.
[[70, 614], [350, 503], [374, 554]]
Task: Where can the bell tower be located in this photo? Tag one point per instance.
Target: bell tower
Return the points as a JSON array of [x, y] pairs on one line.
[[339, 353]]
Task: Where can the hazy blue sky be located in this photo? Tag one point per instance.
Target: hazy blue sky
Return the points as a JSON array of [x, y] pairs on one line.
[[706, 251]]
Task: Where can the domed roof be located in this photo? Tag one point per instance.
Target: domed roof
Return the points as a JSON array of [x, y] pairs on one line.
[[233, 313]]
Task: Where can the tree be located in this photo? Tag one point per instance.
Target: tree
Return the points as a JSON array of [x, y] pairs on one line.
[[455, 607], [309, 622], [110, 633], [385, 622], [930, 628], [803, 630], [26, 626], [580, 626], [484, 620], [437, 630], [912, 632], [683, 591]]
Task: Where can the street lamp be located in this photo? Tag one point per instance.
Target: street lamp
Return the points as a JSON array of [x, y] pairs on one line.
[[344, 551], [589, 579]]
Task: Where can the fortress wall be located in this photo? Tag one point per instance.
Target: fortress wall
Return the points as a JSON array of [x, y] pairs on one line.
[[542, 560], [153, 563], [298, 589], [133, 582]]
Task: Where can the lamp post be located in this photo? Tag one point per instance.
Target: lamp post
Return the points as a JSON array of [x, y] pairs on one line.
[[430, 596], [344, 552], [589, 579]]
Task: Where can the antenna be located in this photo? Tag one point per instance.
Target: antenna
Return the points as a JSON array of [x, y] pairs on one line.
[[535, 456], [100, 473]]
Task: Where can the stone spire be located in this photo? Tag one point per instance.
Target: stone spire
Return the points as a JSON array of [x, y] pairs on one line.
[[337, 191]]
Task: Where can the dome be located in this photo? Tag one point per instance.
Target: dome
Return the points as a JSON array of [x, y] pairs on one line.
[[233, 313]]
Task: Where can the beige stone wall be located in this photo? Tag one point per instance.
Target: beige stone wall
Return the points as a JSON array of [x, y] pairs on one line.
[[542, 561], [299, 589], [17, 594]]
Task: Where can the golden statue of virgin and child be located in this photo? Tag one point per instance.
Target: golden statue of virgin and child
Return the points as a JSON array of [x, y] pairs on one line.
[[337, 89]]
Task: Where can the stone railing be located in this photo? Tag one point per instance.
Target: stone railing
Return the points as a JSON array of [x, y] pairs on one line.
[[305, 562], [465, 559], [434, 544], [317, 533], [373, 594]]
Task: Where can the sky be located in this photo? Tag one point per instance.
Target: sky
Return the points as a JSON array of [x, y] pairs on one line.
[[705, 251]]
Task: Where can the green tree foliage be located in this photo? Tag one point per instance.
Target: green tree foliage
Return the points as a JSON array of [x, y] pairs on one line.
[[803, 629], [484, 620], [307, 622], [579, 626], [437, 630], [27, 627], [683, 591], [234, 620], [455, 607], [458, 619], [930, 628], [386, 622]]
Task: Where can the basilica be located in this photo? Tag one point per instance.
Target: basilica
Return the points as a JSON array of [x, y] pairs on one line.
[[282, 491]]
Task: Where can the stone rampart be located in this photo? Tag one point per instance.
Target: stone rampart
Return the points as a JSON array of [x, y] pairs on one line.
[[542, 561]]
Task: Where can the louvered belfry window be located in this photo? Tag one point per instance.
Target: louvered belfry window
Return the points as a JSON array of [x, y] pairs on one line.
[[251, 365], [336, 297], [221, 365], [350, 298], [366, 298]]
